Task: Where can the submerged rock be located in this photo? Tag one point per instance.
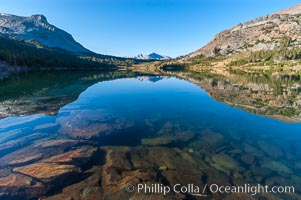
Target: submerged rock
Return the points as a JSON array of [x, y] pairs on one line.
[[47, 171], [252, 150], [168, 138], [239, 197], [17, 185], [270, 150], [76, 157], [35, 152], [248, 159], [147, 165], [86, 124], [278, 167], [165, 140], [225, 163], [211, 137]]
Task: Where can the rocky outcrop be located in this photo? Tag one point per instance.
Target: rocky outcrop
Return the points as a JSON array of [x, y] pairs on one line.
[[263, 33]]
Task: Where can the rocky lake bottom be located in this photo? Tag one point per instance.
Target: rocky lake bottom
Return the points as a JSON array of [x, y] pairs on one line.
[[92, 136]]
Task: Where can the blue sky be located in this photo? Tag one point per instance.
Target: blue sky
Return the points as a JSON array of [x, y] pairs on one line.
[[131, 27]]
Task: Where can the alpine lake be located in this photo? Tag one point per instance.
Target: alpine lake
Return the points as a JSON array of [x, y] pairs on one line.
[[90, 134]]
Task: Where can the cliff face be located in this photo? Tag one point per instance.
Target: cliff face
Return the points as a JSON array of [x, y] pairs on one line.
[[263, 33]]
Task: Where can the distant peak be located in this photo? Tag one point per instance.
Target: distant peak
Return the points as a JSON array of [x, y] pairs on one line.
[[152, 56]]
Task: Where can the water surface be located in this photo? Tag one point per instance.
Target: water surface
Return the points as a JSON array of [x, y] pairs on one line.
[[168, 128]]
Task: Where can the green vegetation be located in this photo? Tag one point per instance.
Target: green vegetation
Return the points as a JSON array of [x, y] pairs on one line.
[[17, 52], [284, 52], [111, 60], [32, 54], [173, 67], [205, 61]]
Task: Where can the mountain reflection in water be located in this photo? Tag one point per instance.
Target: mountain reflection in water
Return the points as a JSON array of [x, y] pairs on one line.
[[88, 135]]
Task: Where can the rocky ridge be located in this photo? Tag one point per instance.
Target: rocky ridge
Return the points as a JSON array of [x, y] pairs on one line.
[[263, 33]]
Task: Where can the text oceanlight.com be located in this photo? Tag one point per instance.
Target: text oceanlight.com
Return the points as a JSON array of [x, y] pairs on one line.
[[192, 189]]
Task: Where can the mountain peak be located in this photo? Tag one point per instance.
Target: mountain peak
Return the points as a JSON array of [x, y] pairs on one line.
[[40, 18], [4, 14], [155, 54], [36, 28], [152, 56], [291, 11]]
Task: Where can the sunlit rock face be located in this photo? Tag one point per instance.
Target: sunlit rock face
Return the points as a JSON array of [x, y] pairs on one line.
[[263, 33]]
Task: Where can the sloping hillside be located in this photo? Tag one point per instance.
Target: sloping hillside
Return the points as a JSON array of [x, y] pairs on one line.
[[271, 32]]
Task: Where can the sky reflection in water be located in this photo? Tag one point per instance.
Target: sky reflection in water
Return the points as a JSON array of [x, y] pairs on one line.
[[135, 111]]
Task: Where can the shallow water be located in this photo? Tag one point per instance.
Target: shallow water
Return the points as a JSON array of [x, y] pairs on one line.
[[225, 145]]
